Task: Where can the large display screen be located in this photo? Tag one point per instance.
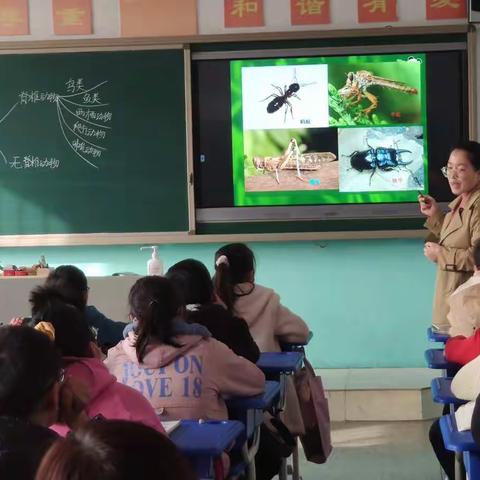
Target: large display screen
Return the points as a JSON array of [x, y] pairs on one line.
[[337, 135], [329, 130]]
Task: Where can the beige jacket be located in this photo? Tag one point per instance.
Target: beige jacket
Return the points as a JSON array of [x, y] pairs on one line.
[[271, 323], [464, 308], [456, 235]]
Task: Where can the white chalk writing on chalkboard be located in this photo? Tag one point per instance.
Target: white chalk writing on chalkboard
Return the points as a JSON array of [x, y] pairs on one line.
[[29, 162], [83, 119]]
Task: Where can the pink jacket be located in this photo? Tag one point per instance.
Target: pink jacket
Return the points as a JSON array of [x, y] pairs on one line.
[[271, 323], [268, 320], [189, 381], [108, 397]]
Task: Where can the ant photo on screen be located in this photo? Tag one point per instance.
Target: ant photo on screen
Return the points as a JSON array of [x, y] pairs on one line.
[[283, 96]]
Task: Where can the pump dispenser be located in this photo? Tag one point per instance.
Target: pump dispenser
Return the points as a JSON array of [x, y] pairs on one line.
[[154, 265]]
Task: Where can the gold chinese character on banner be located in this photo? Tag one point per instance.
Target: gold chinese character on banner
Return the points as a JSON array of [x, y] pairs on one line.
[[71, 16], [445, 3], [241, 7], [10, 16], [376, 6], [310, 7]]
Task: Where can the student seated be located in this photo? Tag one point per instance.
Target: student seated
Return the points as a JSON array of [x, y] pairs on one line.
[[71, 282], [465, 386], [183, 376], [81, 360], [34, 394], [195, 288], [114, 450], [464, 302], [269, 321]]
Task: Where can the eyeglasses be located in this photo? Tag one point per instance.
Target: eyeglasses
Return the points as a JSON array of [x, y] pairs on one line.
[[451, 171]]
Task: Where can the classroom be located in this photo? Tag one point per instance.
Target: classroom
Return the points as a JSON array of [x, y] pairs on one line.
[[233, 215]]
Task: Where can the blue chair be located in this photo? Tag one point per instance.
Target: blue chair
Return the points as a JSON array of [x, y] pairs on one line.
[[203, 443], [437, 337], [250, 411], [442, 392], [436, 359], [461, 443]]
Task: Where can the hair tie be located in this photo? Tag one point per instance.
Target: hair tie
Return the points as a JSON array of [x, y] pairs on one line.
[[222, 259], [47, 328]]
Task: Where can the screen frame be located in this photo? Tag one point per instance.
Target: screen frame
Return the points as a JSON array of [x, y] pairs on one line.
[[334, 211]]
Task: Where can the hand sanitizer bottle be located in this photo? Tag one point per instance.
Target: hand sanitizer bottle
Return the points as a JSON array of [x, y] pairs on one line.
[[154, 265]]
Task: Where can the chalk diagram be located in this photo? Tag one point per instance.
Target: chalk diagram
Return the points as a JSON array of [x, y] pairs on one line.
[[83, 117]]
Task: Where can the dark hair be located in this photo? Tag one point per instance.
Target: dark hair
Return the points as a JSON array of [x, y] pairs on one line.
[[472, 149], [241, 263], [114, 450], [154, 303], [192, 282], [29, 366], [72, 334], [71, 282]]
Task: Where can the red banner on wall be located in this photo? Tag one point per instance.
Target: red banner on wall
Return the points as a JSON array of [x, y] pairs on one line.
[[243, 13], [155, 18], [377, 11], [309, 12], [14, 17], [72, 17], [445, 9]]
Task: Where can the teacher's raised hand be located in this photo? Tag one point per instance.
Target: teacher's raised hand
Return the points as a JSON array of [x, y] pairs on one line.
[[428, 205]]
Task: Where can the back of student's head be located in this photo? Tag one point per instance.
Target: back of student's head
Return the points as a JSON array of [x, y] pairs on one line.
[[155, 304], [114, 450], [29, 367], [192, 282], [476, 255], [234, 263], [71, 282], [72, 334]]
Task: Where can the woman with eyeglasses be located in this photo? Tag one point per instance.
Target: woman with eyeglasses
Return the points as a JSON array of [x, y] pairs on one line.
[[456, 231]]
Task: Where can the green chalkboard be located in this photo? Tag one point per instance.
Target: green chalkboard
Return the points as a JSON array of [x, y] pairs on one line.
[[93, 142]]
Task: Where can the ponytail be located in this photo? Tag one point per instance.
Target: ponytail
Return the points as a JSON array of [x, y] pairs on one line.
[[154, 303], [224, 287], [234, 264]]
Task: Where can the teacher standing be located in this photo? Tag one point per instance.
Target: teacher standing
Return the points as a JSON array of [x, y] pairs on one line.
[[458, 230]]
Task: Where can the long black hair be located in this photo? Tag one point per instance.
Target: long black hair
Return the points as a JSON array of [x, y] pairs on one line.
[[72, 333], [237, 267], [154, 303], [29, 366], [71, 282], [192, 282]]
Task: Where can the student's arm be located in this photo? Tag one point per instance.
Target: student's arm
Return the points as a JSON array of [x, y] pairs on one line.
[[466, 383], [234, 375], [109, 332], [463, 350], [290, 328], [245, 345]]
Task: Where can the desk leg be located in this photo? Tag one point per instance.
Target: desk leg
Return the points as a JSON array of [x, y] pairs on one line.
[[282, 475], [295, 462], [459, 470]]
